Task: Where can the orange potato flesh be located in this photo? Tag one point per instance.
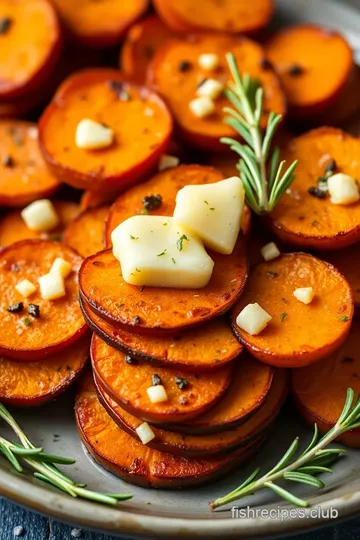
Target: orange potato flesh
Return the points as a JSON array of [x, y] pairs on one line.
[[200, 444], [347, 261], [191, 351], [165, 74], [306, 221], [86, 233], [298, 334], [127, 384], [29, 384], [91, 199], [140, 121], [61, 322], [27, 177], [13, 227], [320, 390], [134, 462]]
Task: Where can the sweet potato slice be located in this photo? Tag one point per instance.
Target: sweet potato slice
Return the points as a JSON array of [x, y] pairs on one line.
[[191, 351], [199, 444], [126, 383], [320, 390], [135, 463], [143, 40], [86, 233], [29, 384], [304, 220], [232, 16], [27, 26], [298, 334], [297, 54], [140, 120], [26, 338], [347, 261], [91, 199], [99, 24], [132, 308], [13, 227], [24, 176], [166, 72]]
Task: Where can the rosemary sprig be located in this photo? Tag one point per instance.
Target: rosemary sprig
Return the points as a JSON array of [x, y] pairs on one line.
[[316, 459], [264, 178], [44, 465]]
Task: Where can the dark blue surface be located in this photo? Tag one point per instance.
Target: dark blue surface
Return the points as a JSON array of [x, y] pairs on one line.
[[39, 528]]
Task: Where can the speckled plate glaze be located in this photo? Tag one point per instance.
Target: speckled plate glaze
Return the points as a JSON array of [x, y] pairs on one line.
[[185, 514]]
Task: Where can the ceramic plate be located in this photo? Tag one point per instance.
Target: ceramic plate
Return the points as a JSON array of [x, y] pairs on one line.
[[175, 514]]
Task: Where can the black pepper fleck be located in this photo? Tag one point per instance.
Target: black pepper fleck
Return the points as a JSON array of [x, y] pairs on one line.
[[316, 192], [8, 161], [181, 383], [265, 63], [347, 360], [5, 25], [137, 319], [118, 87], [272, 274], [130, 360], [34, 311], [16, 308], [330, 167], [152, 202], [155, 379], [184, 66], [295, 70]]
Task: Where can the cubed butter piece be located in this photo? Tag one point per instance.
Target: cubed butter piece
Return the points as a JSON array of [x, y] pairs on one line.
[[210, 88], [202, 107], [62, 267], [155, 251], [168, 162], [270, 251], [51, 286], [343, 189], [91, 135], [40, 216], [145, 433], [304, 294], [157, 394], [212, 212], [253, 319], [208, 61], [25, 288]]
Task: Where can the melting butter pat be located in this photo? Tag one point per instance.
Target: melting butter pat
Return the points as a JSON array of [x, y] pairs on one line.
[[253, 319], [155, 251], [343, 189], [91, 135], [212, 212]]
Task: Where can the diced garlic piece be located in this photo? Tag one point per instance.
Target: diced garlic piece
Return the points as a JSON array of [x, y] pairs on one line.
[[210, 88], [40, 216], [25, 288], [213, 212], [91, 135], [157, 394], [51, 286], [208, 61], [304, 294], [168, 162], [62, 267], [202, 107], [343, 189], [270, 251], [253, 319], [155, 251], [145, 433]]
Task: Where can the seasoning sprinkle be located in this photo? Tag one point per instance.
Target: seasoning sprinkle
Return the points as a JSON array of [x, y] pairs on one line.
[[265, 63], [162, 253], [184, 66], [16, 308], [347, 360], [181, 383], [34, 311], [295, 70], [344, 318], [272, 275], [283, 316], [5, 25], [173, 260], [133, 237], [142, 288], [27, 322], [152, 202], [118, 87], [155, 379], [120, 304], [316, 192], [8, 161], [137, 319], [330, 167], [180, 242], [129, 360]]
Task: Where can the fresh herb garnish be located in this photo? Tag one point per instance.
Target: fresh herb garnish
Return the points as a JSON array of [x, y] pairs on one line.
[[314, 460], [34, 311], [262, 175], [27, 321], [344, 318], [180, 242], [162, 253], [45, 465], [133, 237], [16, 308], [173, 260], [283, 316], [152, 202]]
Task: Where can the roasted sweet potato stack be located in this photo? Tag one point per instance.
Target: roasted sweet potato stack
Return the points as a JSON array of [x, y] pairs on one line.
[[60, 322], [347, 261], [29, 384], [126, 381], [303, 218], [121, 454], [189, 351], [314, 65], [232, 16], [143, 40], [200, 444], [298, 334], [13, 228], [85, 234], [167, 72], [24, 176], [320, 390], [140, 120], [99, 24]]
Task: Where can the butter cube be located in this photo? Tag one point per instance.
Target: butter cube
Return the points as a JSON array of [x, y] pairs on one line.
[[168, 162], [343, 189], [157, 394], [62, 267], [40, 216], [91, 135], [212, 212], [51, 286], [155, 251], [208, 61], [25, 288], [145, 433], [304, 294], [253, 319], [210, 88], [202, 106], [270, 251]]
